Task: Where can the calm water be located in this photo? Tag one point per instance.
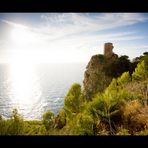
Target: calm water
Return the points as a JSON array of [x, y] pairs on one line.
[[37, 88]]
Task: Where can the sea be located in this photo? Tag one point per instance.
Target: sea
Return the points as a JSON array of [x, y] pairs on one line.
[[36, 89]]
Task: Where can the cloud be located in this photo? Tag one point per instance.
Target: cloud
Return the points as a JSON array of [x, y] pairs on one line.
[[80, 29], [74, 23], [81, 32], [14, 24], [139, 47], [77, 29], [60, 26]]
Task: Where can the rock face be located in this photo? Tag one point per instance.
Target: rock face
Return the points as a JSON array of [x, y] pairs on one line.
[[95, 79]]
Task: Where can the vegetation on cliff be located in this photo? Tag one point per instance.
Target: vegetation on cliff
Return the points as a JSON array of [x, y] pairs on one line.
[[101, 70], [121, 108]]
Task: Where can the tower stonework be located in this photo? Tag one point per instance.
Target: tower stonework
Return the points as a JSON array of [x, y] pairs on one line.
[[108, 49]]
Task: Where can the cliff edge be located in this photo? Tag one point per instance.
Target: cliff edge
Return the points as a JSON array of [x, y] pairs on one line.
[[95, 78]]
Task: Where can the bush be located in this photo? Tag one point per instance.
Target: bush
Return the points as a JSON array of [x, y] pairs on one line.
[[85, 125], [42, 130], [48, 120], [135, 116], [131, 108], [34, 127], [81, 124], [139, 90], [123, 132], [142, 133], [103, 110], [3, 126], [15, 124], [60, 120]]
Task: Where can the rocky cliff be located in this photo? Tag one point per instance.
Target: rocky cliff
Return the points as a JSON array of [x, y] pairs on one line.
[[95, 78]]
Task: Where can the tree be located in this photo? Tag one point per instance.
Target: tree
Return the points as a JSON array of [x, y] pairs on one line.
[[145, 53], [124, 79], [72, 101], [118, 66], [141, 72]]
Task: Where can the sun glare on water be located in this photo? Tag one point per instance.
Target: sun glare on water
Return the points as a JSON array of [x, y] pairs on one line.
[[28, 49], [23, 83], [25, 89]]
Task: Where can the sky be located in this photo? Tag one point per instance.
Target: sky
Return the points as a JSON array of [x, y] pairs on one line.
[[70, 37]]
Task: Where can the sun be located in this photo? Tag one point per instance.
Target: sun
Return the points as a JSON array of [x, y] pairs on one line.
[[21, 36]]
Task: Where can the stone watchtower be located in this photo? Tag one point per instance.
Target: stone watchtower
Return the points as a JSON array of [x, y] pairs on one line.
[[108, 49]]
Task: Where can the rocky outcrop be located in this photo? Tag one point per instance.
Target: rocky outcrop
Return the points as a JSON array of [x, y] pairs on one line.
[[95, 79]]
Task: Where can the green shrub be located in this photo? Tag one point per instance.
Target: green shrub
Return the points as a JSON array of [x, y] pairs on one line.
[[48, 120], [3, 126], [42, 130], [60, 120], [142, 133], [81, 124], [15, 124], [85, 125], [123, 132], [103, 109]]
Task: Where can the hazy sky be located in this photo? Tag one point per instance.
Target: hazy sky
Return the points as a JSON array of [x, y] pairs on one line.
[[70, 37]]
